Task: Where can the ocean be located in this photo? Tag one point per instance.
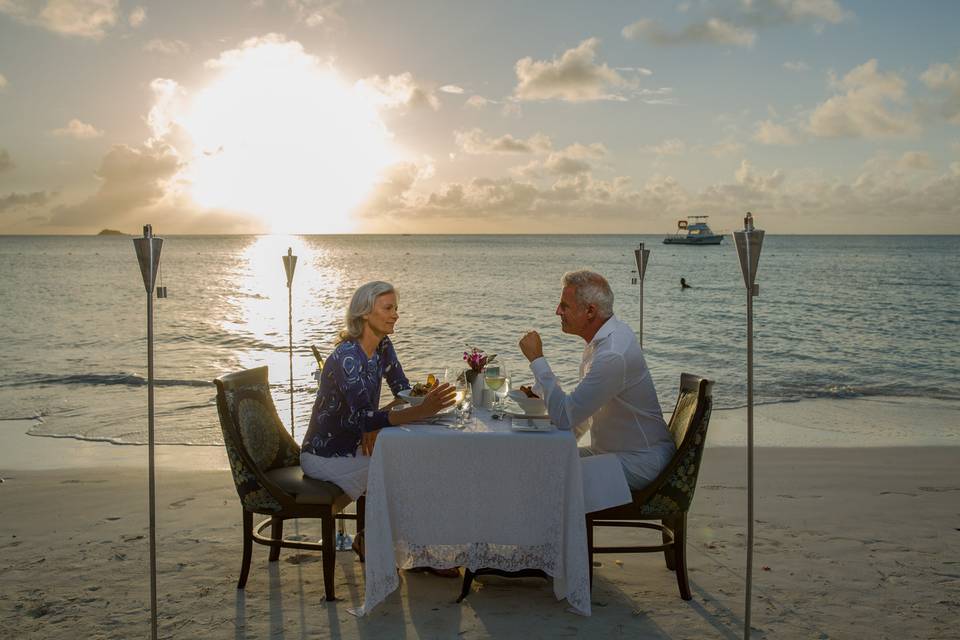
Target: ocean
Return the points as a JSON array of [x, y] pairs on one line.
[[837, 317]]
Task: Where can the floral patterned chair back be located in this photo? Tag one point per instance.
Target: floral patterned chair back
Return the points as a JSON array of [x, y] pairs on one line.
[[672, 492], [255, 438]]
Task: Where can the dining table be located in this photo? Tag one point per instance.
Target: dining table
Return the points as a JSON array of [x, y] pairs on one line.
[[487, 496]]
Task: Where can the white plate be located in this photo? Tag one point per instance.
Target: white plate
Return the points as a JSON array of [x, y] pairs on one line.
[[520, 414], [440, 417], [546, 426]]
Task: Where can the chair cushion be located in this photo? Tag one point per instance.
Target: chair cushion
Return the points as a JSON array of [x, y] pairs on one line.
[[307, 490], [262, 432]]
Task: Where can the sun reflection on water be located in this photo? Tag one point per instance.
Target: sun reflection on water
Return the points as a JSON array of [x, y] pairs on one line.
[[260, 303]]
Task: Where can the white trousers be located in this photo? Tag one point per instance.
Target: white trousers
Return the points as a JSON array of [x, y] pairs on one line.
[[347, 472]]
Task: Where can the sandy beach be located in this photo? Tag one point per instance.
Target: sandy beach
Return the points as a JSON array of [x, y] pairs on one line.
[[852, 542]]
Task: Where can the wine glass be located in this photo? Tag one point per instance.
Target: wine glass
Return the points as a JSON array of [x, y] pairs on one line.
[[495, 377], [462, 406]]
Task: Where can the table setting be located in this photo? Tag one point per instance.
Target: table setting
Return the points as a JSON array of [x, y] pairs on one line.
[[479, 487]]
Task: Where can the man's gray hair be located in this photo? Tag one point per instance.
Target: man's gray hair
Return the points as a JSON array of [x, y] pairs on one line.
[[591, 288], [361, 304]]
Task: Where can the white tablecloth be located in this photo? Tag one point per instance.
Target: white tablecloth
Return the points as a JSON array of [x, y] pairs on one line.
[[483, 497]]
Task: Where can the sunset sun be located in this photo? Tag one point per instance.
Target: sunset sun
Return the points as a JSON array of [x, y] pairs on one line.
[[278, 135]]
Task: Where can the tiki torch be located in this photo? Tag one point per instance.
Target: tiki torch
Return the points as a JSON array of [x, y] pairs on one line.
[[749, 242], [641, 255], [148, 255]]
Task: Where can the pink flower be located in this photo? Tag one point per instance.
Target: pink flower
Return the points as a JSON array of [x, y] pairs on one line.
[[477, 359]]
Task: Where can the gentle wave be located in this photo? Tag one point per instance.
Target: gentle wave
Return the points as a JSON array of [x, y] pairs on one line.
[[97, 379]]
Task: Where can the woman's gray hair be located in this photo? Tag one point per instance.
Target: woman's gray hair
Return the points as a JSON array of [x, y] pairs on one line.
[[361, 304], [591, 288]]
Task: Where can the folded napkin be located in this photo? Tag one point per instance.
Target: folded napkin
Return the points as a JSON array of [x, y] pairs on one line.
[[531, 424]]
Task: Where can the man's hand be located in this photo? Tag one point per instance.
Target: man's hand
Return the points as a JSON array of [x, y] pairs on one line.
[[531, 346], [367, 441]]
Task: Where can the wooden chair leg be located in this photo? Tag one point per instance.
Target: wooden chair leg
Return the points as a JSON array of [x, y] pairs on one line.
[[670, 553], [328, 553], [361, 513], [590, 549], [276, 532], [247, 548], [680, 551]]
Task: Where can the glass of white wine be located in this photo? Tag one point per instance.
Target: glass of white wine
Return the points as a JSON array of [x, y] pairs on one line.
[[462, 400], [495, 377]]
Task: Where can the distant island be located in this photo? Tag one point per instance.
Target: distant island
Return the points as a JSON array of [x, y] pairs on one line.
[[111, 232]]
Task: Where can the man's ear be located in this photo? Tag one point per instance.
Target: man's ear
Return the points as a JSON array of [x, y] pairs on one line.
[[591, 311]]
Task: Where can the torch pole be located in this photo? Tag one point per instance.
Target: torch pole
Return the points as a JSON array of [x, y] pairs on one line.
[[289, 266], [148, 255], [749, 243], [750, 518]]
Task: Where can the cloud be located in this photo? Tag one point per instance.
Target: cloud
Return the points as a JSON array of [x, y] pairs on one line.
[[166, 47], [132, 179], [916, 161], [671, 147], [478, 102], [945, 78], [79, 18], [739, 27], [393, 188], [712, 31], [137, 17], [316, 13], [573, 77], [796, 65], [19, 201], [476, 142], [6, 163], [139, 185], [768, 132], [861, 111], [805, 202], [451, 88], [575, 159], [400, 91], [78, 130], [774, 12], [725, 148]]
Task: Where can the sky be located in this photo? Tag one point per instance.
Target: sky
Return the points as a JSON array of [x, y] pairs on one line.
[[457, 116]]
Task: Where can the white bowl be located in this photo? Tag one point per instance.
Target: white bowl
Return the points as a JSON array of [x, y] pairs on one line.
[[530, 406], [412, 400]]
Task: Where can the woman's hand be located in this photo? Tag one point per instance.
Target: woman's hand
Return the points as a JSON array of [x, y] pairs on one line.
[[438, 399], [367, 440]]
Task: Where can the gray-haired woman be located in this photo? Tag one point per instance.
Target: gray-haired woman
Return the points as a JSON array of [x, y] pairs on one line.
[[346, 417]]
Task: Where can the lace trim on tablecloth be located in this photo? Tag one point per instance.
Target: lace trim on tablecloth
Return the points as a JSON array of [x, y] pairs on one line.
[[478, 555]]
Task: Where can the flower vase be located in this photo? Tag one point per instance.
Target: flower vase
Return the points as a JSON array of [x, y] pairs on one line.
[[477, 386]]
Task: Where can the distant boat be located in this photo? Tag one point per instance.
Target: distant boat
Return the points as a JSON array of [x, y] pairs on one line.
[[697, 232]]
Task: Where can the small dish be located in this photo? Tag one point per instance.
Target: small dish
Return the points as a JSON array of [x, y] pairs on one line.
[[412, 400]]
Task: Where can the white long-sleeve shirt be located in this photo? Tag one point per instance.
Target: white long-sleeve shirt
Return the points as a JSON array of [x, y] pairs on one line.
[[615, 400]]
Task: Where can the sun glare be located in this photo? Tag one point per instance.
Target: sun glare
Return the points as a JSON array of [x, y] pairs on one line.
[[279, 135]]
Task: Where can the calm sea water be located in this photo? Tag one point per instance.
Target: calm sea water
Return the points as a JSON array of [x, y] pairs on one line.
[[836, 317]]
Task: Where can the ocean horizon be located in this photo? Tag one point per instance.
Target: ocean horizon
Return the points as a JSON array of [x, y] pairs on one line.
[[837, 317]]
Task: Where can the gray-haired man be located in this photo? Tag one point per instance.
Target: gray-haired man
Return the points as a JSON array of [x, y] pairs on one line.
[[615, 399]]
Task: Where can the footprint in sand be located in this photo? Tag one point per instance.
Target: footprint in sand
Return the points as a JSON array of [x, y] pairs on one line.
[[179, 504]]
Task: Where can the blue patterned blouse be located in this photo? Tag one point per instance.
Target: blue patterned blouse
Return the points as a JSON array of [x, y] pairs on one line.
[[346, 404]]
